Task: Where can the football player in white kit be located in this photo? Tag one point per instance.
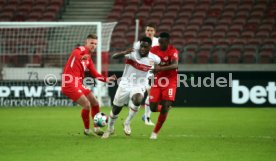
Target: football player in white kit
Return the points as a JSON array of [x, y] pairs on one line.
[[133, 83], [150, 31]]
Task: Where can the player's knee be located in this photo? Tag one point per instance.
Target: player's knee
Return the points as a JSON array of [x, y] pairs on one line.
[[137, 99], [87, 105], [166, 106], [154, 107]]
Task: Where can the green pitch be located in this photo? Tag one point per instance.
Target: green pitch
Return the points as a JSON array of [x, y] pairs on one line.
[[190, 134]]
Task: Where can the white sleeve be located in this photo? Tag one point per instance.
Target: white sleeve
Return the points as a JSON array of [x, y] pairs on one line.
[[156, 59], [131, 55], [136, 45], [127, 56]]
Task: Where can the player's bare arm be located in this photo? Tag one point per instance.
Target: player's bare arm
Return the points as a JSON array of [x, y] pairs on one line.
[[111, 78], [122, 53], [173, 65]]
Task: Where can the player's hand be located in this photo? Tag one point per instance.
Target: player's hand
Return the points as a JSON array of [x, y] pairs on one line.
[[156, 69], [112, 78], [85, 57]]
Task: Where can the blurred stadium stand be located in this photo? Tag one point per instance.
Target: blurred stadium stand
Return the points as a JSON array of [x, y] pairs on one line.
[[204, 31], [225, 31]]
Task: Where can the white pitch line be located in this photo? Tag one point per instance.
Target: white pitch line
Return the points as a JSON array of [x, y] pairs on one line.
[[220, 136]]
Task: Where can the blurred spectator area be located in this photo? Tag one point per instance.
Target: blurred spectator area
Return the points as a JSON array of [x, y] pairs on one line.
[[204, 31], [30, 10]]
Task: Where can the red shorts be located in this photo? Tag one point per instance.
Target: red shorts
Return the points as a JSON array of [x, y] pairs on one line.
[[74, 93], [158, 94]]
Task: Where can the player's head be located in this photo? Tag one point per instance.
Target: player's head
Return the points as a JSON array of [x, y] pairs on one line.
[[91, 42], [145, 45], [150, 30], [164, 40]]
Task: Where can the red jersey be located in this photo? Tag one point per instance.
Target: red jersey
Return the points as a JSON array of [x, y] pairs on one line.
[[166, 58], [76, 67]]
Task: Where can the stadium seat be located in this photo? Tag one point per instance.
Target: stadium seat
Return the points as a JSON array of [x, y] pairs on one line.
[[192, 27], [159, 7], [176, 2], [42, 2], [247, 34], [156, 15], [266, 56], [218, 56], [27, 2], [228, 12], [57, 2], [196, 20], [145, 9], [249, 56], [173, 8], [218, 34], [262, 34], [203, 57], [167, 21], [7, 15], [24, 10], [48, 16], [176, 34], [242, 13], [154, 21], [203, 6], [233, 56], [142, 15], [171, 15], [165, 28], [232, 34], [133, 2], [190, 34], [14, 2], [34, 16], [177, 42], [225, 20], [131, 8], [2, 2], [176, 27], [52, 8], [204, 34]]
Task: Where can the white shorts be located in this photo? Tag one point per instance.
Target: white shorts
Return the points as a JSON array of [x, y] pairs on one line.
[[123, 95]]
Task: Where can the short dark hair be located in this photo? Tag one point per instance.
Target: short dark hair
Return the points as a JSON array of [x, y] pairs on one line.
[[92, 36], [152, 25], [164, 35], [146, 39]]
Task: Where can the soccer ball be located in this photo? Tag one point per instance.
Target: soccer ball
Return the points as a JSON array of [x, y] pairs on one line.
[[100, 119]]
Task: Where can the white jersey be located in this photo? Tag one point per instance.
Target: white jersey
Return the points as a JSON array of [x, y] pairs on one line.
[[154, 43], [137, 68]]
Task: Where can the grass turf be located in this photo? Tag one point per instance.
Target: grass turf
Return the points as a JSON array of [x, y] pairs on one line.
[[190, 134]]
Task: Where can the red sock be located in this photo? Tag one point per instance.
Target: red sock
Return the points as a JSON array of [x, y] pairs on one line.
[[159, 107], [161, 120], [94, 111], [85, 118]]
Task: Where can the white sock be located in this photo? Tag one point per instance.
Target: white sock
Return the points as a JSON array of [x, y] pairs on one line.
[[111, 121], [132, 112], [147, 108]]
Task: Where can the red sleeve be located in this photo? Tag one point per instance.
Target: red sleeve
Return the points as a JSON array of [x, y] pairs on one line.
[[94, 73], [174, 54], [154, 50]]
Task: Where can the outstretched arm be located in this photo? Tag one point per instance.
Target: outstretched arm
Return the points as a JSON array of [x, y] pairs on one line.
[[98, 76], [122, 53]]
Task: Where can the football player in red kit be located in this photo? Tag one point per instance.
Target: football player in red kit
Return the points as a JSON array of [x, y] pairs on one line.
[[165, 83], [72, 77]]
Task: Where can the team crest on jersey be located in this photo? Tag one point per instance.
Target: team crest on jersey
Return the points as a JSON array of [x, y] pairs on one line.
[[151, 63], [166, 58], [82, 48]]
